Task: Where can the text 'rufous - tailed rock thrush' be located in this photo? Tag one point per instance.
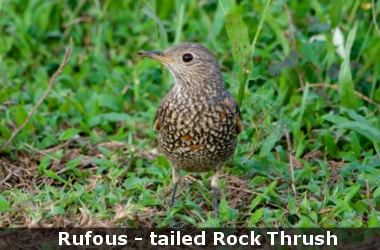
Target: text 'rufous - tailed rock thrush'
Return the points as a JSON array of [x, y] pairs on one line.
[[198, 121]]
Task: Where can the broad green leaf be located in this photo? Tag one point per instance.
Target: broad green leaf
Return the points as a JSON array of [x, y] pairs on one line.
[[256, 216], [224, 6], [336, 12], [54, 176], [374, 221], [209, 223], [223, 209], [305, 173], [305, 96], [241, 50], [351, 193], [94, 120], [292, 204], [4, 204], [4, 130], [330, 144], [21, 115], [135, 183], [59, 210], [365, 129], [355, 116], [271, 189], [238, 35], [257, 180], [376, 193], [355, 143], [341, 206], [305, 222], [270, 142], [74, 162], [77, 104], [234, 214], [149, 200], [116, 117], [305, 205], [69, 134], [44, 163], [105, 151], [371, 133], [42, 15], [256, 201], [110, 101], [337, 119], [313, 216]]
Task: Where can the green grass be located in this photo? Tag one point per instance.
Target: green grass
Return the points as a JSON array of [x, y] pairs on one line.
[[87, 156]]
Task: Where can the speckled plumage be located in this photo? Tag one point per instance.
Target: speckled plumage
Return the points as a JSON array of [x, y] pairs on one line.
[[197, 135], [198, 121]]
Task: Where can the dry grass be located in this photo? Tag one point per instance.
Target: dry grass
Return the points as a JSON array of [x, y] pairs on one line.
[[23, 174]]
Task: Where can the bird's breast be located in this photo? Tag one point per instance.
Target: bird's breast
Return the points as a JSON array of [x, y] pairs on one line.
[[197, 134]]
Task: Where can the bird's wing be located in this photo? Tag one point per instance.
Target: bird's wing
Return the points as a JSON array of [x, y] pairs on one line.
[[230, 101], [161, 112], [239, 119], [157, 121]]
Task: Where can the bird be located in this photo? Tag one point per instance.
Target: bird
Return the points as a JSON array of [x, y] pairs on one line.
[[198, 120]]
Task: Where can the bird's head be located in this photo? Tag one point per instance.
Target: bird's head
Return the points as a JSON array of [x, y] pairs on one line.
[[191, 65]]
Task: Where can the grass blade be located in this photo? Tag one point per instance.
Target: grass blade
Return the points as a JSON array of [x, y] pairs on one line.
[[346, 85]]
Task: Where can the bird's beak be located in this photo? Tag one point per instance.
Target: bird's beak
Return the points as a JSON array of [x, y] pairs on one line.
[[156, 55]]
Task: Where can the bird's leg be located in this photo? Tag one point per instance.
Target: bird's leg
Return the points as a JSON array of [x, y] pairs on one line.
[[176, 178], [215, 189]]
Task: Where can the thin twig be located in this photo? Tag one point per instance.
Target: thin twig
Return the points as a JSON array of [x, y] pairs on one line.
[[47, 92], [374, 17], [244, 190], [358, 94], [3, 181], [290, 157], [49, 150]]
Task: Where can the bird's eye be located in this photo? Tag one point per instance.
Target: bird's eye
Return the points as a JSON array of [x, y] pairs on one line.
[[187, 57]]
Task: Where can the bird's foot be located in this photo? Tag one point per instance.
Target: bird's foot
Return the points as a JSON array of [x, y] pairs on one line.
[[173, 195], [216, 203]]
